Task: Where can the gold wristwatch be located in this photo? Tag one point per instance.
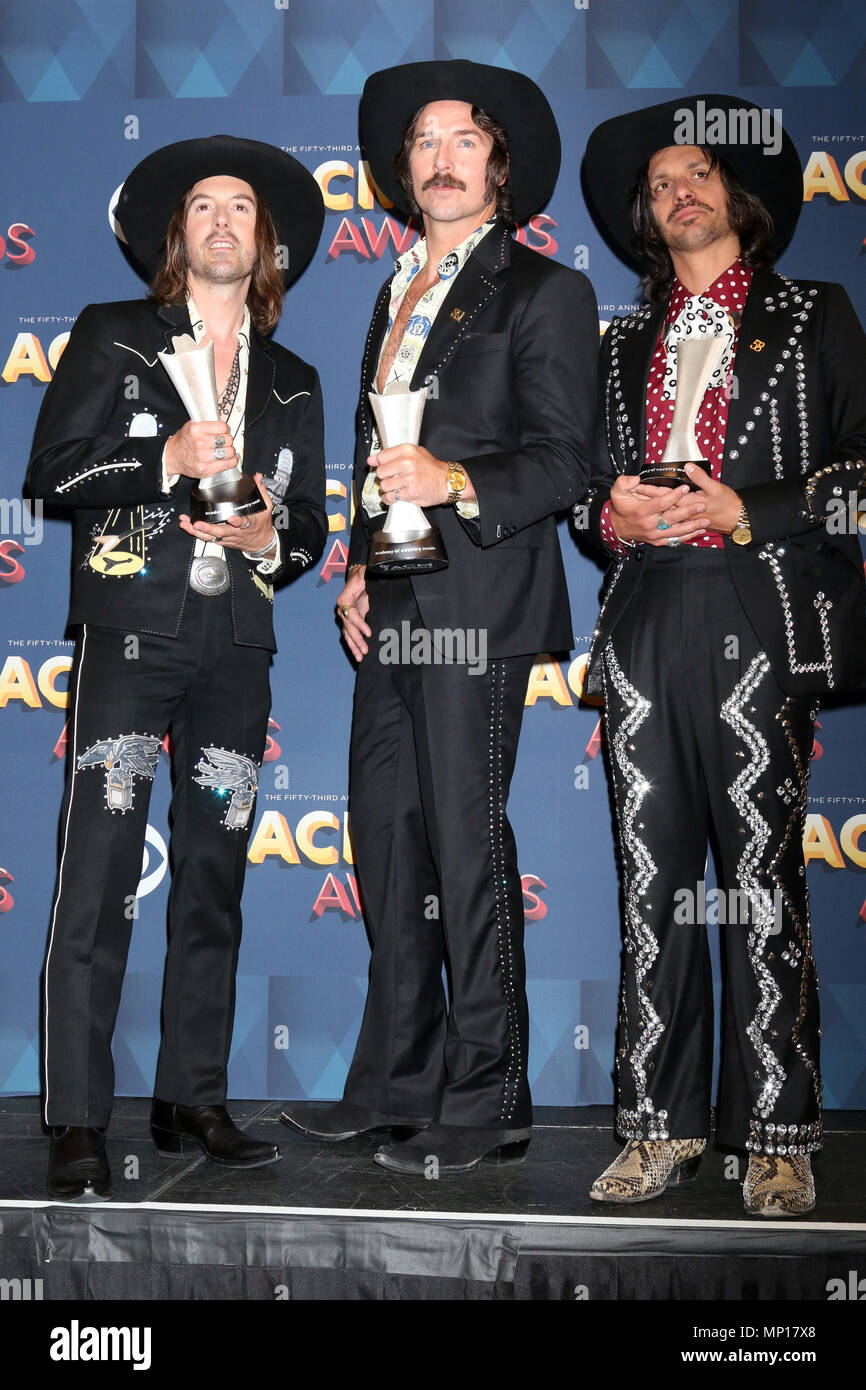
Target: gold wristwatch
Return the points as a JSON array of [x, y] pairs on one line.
[[742, 532], [456, 480]]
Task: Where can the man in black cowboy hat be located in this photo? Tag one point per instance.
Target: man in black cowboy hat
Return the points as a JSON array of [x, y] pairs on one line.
[[175, 624], [505, 341], [732, 605]]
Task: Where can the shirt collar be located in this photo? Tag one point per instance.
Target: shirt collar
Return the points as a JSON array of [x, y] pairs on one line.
[[197, 324], [728, 291], [412, 260]]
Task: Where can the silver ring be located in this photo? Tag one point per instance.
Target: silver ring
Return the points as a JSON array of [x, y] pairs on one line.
[[674, 540], [219, 441], [397, 494], [219, 453], [662, 525], [247, 524]]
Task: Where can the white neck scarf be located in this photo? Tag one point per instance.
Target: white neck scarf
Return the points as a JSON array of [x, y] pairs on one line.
[[700, 318]]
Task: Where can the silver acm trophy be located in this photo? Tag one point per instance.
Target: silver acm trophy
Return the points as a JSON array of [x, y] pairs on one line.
[[407, 543], [227, 493], [697, 359]]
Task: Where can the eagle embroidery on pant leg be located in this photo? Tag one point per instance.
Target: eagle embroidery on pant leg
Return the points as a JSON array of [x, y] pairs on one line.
[[124, 757], [230, 772]]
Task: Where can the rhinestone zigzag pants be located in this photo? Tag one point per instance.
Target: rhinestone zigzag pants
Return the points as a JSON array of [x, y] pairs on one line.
[[705, 748]]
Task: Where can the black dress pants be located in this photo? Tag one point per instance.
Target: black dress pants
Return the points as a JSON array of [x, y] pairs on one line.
[[703, 742], [128, 689], [432, 755]]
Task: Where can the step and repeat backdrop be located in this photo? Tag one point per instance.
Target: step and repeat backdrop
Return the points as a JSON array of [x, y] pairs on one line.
[[87, 88]]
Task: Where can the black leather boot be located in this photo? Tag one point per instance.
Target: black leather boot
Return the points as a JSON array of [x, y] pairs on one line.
[[454, 1149], [181, 1129], [78, 1167]]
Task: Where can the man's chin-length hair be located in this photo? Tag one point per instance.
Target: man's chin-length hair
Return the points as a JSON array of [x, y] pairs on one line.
[[749, 220], [267, 288]]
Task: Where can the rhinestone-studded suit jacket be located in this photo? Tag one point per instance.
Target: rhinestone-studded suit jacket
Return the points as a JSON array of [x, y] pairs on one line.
[[795, 452]]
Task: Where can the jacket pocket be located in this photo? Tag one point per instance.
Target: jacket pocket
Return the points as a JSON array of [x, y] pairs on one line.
[[482, 342]]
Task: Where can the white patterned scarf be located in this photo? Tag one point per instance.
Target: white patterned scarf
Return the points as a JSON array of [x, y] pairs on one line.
[[699, 318]]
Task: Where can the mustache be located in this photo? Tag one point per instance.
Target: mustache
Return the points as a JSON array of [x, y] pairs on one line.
[[444, 181], [693, 204]]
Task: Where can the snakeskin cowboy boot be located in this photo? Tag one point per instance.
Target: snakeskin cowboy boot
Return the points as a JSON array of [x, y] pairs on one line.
[[646, 1167], [777, 1186]]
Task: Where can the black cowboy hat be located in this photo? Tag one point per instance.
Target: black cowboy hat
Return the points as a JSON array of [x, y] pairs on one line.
[[156, 186], [619, 147], [393, 95]]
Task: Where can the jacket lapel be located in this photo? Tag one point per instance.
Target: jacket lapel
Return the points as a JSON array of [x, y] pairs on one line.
[[763, 364], [175, 320], [378, 325], [635, 358], [473, 287], [260, 380]]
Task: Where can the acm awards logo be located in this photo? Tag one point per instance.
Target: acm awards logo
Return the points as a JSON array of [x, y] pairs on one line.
[[835, 176], [11, 569], [16, 249], [832, 176], [322, 838], [27, 356]]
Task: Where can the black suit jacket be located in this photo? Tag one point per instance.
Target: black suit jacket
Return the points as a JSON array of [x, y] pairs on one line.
[[794, 447], [98, 449], [510, 363]]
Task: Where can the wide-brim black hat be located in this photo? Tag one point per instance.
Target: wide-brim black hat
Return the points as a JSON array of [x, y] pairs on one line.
[[619, 147], [393, 95], [156, 186]]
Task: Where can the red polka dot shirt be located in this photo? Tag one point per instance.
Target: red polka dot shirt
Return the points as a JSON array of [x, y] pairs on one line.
[[729, 291]]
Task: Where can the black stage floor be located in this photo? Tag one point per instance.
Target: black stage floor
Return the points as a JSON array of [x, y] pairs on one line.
[[328, 1223]]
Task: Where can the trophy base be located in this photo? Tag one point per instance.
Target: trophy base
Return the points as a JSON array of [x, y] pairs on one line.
[[214, 505], [407, 552], [672, 474]]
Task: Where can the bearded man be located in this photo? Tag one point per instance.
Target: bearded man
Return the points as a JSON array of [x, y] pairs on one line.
[[174, 625], [732, 605]]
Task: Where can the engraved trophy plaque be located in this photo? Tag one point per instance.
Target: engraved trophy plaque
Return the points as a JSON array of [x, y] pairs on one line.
[[228, 493], [407, 543], [697, 359]]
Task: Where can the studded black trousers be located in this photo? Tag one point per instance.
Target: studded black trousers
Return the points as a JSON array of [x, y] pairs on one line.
[[432, 755], [705, 747]]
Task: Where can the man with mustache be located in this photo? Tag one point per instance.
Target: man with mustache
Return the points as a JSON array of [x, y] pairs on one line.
[[505, 341], [175, 626], [733, 603]]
